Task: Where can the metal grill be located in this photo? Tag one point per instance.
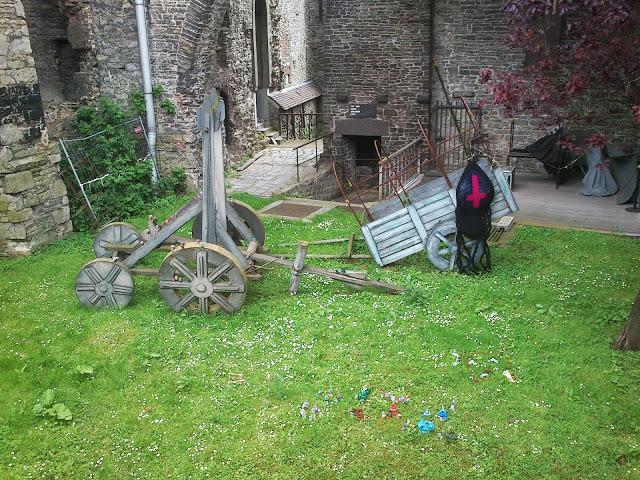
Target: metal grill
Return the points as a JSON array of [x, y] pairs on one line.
[[90, 164], [449, 141]]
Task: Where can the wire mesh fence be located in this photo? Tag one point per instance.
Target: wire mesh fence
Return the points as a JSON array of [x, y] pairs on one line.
[[95, 158]]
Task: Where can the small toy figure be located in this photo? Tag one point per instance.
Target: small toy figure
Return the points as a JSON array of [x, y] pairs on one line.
[[364, 393], [443, 415], [358, 413], [315, 411], [303, 409], [426, 413], [425, 426]]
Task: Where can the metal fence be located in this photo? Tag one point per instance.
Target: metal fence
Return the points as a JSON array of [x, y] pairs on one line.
[[89, 163], [448, 119], [300, 126], [400, 169]]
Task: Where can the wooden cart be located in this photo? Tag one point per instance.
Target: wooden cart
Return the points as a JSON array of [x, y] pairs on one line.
[[422, 218]]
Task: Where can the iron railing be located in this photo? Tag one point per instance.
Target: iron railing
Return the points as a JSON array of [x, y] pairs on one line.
[[454, 127], [314, 158], [401, 167], [300, 126]]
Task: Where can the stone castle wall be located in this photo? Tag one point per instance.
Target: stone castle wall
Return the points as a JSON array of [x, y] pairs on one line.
[[469, 36], [33, 203], [374, 52]]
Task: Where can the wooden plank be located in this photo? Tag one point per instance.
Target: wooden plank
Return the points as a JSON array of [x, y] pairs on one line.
[[399, 224], [396, 238], [144, 272], [380, 237], [403, 254], [441, 212], [424, 236], [373, 226], [238, 223], [501, 213], [452, 195], [448, 217], [434, 207], [506, 191], [430, 200], [385, 208], [368, 238], [409, 242]]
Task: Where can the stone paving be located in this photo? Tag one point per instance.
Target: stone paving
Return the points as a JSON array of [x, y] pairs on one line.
[[275, 171]]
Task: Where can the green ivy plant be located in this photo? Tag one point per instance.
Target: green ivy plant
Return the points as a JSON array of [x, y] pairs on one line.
[[139, 106]]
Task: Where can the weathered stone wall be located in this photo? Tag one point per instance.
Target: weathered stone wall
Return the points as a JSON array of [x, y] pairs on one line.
[[33, 203], [469, 35], [64, 52], [375, 52]]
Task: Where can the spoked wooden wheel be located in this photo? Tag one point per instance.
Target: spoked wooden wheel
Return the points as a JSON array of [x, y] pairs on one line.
[[249, 216], [118, 232], [104, 283], [442, 248], [202, 277]]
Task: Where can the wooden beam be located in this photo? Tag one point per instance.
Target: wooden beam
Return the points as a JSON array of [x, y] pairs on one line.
[[334, 275]]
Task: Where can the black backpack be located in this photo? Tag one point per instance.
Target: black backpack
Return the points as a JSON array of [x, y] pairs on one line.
[[474, 195]]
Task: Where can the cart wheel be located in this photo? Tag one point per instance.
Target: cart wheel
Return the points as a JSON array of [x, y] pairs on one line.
[[248, 214], [442, 247], [115, 233], [104, 283], [202, 277]]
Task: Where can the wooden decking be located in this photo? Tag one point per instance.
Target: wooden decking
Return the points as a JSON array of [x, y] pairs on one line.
[[542, 204]]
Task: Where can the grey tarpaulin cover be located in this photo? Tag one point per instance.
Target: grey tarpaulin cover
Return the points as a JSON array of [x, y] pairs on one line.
[[625, 172], [598, 182]]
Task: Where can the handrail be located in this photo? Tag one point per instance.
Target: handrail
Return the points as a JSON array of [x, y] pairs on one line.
[[297, 150], [313, 140]]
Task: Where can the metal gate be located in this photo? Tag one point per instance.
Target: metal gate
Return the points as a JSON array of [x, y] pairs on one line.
[[447, 137]]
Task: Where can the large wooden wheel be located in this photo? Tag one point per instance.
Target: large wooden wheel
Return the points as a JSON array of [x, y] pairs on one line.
[[104, 283], [442, 248], [202, 277], [249, 216], [116, 232]]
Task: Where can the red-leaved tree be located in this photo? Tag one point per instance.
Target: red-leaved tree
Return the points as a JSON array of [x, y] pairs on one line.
[[583, 68]]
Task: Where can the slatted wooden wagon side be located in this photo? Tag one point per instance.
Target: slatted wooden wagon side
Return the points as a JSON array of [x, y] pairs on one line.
[[423, 218]]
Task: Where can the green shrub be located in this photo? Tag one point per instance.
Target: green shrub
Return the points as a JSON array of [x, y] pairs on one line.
[[128, 189]]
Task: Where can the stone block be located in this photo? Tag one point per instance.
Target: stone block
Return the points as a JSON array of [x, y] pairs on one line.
[[9, 203], [19, 182], [58, 189], [20, 216], [10, 134], [61, 215], [17, 231]]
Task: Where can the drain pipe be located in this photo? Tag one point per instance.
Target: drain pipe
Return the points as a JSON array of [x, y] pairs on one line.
[[145, 65]]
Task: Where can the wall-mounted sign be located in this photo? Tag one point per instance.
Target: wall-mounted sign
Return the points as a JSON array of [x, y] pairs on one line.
[[363, 110]]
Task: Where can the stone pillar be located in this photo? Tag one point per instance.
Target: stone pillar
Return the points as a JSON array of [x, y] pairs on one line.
[[34, 208]]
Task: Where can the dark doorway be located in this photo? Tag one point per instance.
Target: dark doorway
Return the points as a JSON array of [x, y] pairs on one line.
[[366, 158], [262, 77]]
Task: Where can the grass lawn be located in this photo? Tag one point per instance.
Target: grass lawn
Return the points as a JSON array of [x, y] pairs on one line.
[[167, 395]]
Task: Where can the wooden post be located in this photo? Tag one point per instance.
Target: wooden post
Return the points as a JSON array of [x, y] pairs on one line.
[[219, 189], [209, 233], [298, 265], [210, 120], [350, 246]]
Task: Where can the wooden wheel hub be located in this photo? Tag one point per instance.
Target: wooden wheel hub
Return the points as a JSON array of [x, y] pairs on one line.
[[104, 283], [202, 277]]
